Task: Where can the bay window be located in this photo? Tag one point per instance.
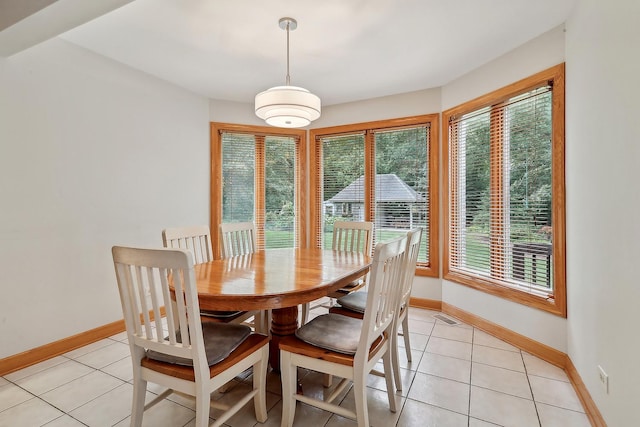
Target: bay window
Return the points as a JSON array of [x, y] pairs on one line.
[[504, 183]]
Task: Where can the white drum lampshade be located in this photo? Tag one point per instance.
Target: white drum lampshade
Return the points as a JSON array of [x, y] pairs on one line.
[[287, 106]]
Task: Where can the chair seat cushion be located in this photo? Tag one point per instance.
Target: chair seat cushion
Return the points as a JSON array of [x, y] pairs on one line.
[[332, 332], [355, 301], [220, 314], [356, 284], [220, 339]]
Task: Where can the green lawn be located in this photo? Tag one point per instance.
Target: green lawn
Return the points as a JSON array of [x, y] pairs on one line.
[[477, 250]]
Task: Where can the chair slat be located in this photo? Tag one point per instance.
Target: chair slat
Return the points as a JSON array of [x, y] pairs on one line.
[[237, 238]]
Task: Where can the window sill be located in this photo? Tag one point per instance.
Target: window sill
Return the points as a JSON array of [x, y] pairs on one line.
[[549, 305], [427, 271]]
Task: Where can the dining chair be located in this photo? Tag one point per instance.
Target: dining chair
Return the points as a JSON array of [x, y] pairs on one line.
[[348, 236], [197, 240], [239, 238], [189, 356], [354, 304], [347, 347]]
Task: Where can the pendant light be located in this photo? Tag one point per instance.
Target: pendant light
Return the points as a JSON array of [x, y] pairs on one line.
[[287, 106]]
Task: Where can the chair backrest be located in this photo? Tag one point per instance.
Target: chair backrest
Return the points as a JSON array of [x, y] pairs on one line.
[[413, 249], [146, 280], [196, 239], [389, 261], [237, 238], [353, 236]]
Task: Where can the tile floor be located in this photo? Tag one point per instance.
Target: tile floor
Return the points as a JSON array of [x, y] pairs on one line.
[[459, 376]]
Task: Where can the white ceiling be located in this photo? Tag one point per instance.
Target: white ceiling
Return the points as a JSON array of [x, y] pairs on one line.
[[342, 50]]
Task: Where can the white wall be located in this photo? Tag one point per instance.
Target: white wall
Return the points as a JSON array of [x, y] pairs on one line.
[[603, 201], [92, 154], [387, 107]]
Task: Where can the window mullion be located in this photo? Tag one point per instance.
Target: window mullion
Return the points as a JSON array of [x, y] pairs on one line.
[[497, 239], [370, 179], [260, 209]]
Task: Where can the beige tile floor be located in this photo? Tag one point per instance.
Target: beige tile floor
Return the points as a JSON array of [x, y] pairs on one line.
[[459, 376]]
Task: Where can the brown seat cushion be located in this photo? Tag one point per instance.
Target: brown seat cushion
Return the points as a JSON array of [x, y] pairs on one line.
[[355, 301], [220, 314], [332, 332], [220, 339]]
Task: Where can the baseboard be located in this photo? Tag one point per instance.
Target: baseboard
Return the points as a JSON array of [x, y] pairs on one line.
[[544, 352], [538, 349], [56, 348], [592, 411], [429, 304]]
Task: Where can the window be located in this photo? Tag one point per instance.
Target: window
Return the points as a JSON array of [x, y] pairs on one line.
[[255, 177], [505, 192], [384, 172]]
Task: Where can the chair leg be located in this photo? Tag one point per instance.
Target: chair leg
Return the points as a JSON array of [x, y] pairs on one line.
[[203, 402], [405, 335], [258, 322], [305, 313], [388, 376], [137, 407], [395, 362], [268, 317], [360, 396], [288, 375], [327, 380], [260, 384]]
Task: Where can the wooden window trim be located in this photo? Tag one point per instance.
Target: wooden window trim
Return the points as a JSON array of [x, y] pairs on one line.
[[558, 304], [433, 269], [216, 129]]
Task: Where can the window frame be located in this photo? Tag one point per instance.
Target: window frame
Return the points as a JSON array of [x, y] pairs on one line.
[[557, 304], [432, 269], [216, 129]]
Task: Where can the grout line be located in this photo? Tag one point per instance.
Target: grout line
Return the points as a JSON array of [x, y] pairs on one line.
[[473, 338], [533, 397], [412, 379]]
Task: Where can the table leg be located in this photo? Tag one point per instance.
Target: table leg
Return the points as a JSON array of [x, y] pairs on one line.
[[284, 322]]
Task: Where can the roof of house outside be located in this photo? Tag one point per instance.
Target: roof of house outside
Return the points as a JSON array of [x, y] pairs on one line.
[[389, 188]]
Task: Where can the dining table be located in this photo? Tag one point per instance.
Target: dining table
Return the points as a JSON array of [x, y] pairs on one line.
[[279, 280]]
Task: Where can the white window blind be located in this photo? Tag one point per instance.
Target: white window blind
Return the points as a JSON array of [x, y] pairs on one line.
[[401, 199], [391, 189], [238, 177], [280, 200], [258, 184], [501, 192], [343, 188]]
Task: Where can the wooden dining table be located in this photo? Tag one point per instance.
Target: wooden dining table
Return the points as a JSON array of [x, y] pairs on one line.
[[276, 279]]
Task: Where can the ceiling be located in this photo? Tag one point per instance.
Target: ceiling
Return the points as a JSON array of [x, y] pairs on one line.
[[342, 50]]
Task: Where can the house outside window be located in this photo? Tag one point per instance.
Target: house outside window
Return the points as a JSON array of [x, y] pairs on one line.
[[384, 172]]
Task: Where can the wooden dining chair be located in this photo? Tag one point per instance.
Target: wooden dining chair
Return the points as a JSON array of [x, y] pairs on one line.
[[190, 357], [347, 347], [348, 236], [239, 238], [354, 304], [197, 240]]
